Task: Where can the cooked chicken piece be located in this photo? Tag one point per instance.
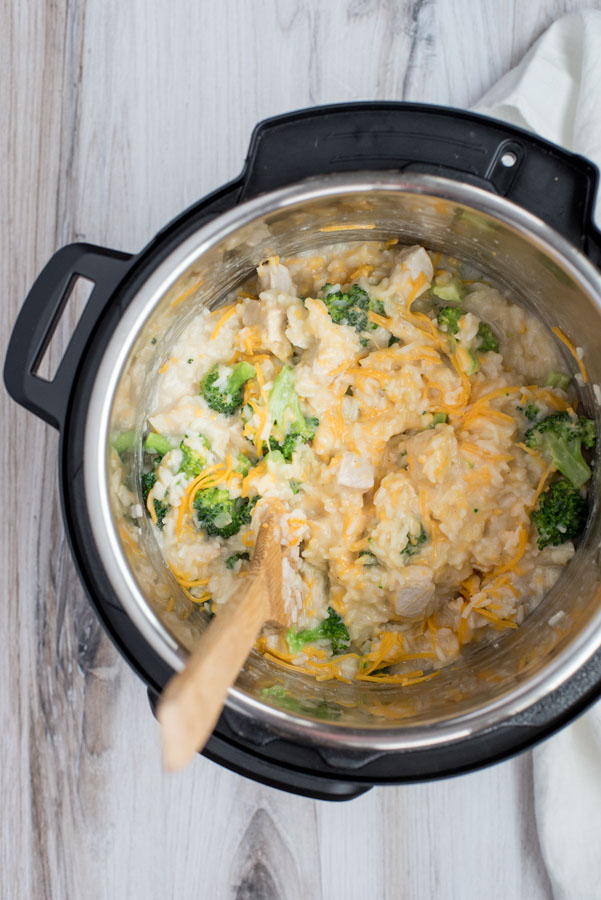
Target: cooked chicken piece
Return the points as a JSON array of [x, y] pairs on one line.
[[412, 262], [355, 472], [273, 275], [413, 598]]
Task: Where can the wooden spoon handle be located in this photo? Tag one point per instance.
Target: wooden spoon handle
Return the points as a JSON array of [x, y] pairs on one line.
[[192, 700]]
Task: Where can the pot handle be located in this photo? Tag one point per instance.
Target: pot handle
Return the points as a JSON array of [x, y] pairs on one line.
[[557, 186], [39, 317]]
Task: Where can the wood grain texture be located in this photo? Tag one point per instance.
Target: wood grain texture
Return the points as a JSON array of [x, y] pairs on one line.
[[115, 117]]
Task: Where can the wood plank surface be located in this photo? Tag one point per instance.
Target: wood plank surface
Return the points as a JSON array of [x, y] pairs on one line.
[[116, 116]]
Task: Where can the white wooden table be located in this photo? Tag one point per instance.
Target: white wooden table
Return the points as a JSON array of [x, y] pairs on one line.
[[115, 116]]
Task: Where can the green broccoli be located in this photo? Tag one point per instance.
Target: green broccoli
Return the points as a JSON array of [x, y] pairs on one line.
[[451, 292], [352, 308], [156, 443], [223, 389], [474, 365], [393, 339], [287, 447], [448, 318], [331, 629], [233, 559], [161, 509], [220, 515], [531, 411], [557, 380], [149, 478], [192, 462], [438, 418], [488, 340], [274, 456], [414, 543], [243, 464], [295, 485], [280, 395], [285, 413], [560, 439], [560, 515], [148, 482]]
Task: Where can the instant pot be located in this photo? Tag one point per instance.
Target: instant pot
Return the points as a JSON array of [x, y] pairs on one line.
[[512, 204]]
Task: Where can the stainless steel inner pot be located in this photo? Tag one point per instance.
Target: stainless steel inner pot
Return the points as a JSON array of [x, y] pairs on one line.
[[489, 684]]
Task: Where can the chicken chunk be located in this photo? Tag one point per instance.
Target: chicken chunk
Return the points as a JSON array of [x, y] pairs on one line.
[[412, 598], [412, 263], [272, 275], [355, 472]]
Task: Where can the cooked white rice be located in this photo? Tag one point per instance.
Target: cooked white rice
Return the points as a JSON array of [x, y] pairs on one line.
[[409, 511]]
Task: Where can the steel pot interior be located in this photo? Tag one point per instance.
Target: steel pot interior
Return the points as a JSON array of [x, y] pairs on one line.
[[489, 683]]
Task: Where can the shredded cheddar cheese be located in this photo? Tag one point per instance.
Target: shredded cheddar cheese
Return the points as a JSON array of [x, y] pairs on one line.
[[565, 340], [411, 526], [227, 315]]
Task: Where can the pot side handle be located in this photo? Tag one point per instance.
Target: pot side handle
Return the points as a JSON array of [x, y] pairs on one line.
[[40, 316], [555, 185]]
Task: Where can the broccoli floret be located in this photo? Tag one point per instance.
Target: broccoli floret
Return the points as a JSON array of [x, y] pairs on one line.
[[305, 426], [393, 339], [557, 380], [243, 464], [531, 411], [156, 443], [220, 515], [438, 418], [225, 395], [448, 318], [149, 479], [148, 482], [414, 544], [487, 339], [280, 395], [285, 412], [275, 456], [292, 440], [233, 559], [332, 629], [192, 462], [352, 308], [560, 439], [451, 292], [288, 445], [560, 515], [161, 509]]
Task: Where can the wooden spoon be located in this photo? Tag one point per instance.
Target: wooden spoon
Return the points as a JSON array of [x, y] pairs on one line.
[[192, 700]]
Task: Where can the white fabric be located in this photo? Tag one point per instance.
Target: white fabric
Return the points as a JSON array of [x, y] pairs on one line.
[[556, 92]]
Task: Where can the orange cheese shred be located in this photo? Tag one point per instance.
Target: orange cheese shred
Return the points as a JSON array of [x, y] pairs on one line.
[[522, 544], [227, 315], [565, 340]]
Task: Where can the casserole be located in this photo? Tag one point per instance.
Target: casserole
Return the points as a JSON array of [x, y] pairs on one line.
[[514, 205]]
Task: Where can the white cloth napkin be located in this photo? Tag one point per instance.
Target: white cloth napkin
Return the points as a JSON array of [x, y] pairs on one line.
[[556, 92]]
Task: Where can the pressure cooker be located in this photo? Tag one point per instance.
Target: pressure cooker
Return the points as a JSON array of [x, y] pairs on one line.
[[510, 203]]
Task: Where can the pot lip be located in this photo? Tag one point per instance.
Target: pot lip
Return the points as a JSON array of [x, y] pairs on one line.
[[171, 267]]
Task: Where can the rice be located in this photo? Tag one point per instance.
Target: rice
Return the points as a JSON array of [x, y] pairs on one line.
[[408, 508]]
